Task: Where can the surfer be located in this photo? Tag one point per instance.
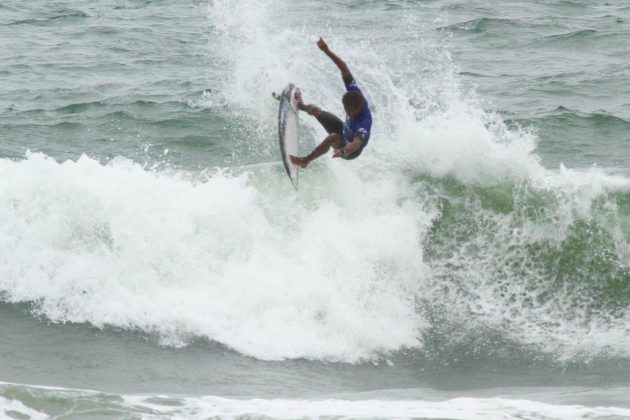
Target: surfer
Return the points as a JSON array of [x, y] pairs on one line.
[[349, 138]]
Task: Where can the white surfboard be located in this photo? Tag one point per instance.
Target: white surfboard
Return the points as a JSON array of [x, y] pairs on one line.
[[288, 131]]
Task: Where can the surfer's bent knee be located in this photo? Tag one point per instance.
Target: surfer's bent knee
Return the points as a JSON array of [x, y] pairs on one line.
[[335, 140], [331, 123]]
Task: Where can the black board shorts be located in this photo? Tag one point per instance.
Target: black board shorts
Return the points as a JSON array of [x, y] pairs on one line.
[[332, 124]]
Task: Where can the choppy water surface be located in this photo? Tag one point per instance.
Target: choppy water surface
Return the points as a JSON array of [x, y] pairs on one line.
[[156, 263]]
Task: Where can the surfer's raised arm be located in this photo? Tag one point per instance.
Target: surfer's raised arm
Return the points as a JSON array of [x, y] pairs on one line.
[[343, 67]]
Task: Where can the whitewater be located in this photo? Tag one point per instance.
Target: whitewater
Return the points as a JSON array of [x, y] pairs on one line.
[[156, 262]]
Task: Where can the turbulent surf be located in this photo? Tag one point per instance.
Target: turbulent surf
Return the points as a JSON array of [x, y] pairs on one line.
[[143, 205]]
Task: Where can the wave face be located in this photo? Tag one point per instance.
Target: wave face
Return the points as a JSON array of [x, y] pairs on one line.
[[449, 238]]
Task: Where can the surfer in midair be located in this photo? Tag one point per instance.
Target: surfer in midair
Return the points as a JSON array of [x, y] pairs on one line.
[[349, 138]]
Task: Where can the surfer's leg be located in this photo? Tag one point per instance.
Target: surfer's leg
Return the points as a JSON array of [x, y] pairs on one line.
[[310, 109], [333, 140], [330, 122]]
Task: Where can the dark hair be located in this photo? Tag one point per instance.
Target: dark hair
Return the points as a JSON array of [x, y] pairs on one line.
[[353, 100]]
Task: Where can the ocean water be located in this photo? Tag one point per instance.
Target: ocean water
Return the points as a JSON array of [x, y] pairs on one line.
[[156, 263]]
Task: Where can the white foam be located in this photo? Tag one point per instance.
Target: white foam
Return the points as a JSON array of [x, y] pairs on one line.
[[14, 409], [117, 245], [158, 406], [334, 272], [456, 408]]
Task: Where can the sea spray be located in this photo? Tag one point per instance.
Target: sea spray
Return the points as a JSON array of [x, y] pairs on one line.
[[116, 245], [448, 229]]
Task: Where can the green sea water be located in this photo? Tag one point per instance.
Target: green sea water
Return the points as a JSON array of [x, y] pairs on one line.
[[155, 261]]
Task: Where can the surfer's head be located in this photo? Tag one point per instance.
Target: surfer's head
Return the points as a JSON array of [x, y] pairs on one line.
[[353, 103]]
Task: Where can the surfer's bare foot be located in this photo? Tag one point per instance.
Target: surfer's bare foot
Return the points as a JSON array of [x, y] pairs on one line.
[[311, 109], [298, 100], [298, 161]]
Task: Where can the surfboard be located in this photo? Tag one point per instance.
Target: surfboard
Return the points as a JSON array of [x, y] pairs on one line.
[[288, 130]]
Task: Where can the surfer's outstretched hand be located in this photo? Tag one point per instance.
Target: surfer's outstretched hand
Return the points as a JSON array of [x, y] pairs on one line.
[[322, 45], [337, 153]]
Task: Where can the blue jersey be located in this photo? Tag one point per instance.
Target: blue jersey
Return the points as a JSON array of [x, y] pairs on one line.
[[362, 123]]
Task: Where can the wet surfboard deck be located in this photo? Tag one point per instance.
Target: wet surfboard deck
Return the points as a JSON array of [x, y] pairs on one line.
[[288, 130]]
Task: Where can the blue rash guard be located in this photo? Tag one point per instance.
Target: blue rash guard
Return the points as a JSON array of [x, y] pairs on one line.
[[362, 123]]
